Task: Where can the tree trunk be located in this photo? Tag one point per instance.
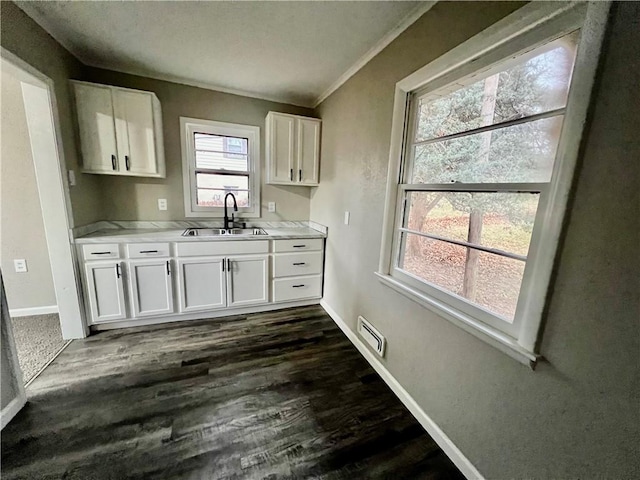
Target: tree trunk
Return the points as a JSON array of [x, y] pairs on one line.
[[469, 285]]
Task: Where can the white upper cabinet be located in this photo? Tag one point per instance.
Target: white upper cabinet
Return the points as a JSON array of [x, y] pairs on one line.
[[120, 130], [293, 149], [97, 129]]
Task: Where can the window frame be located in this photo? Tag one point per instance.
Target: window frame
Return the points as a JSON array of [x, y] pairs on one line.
[[530, 26], [191, 126]]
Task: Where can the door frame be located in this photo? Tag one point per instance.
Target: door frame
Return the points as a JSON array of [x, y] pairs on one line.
[[53, 190]]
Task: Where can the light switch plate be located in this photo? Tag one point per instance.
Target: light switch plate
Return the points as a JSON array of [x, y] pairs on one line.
[[346, 218], [162, 204], [272, 207], [72, 178], [20, 265]]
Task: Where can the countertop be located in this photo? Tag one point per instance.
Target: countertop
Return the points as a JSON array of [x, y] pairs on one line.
[[175, 235]]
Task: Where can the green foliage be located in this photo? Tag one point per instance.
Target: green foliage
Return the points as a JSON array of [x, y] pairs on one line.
[[520, 153]]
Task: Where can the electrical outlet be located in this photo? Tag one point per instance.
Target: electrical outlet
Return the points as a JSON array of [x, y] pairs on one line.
[[347, 215], [20, 264], [272, 207], [162, 204]]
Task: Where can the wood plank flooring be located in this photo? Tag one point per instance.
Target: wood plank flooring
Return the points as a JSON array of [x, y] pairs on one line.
[[277, 395]]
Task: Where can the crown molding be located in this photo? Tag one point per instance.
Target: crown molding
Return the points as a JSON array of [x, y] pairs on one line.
[[195, 83], [405, 23]]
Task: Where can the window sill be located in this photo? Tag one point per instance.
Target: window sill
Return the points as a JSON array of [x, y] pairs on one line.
[[495, 338]]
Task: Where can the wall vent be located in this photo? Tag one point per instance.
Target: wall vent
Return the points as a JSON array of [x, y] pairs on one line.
[[372, 336]]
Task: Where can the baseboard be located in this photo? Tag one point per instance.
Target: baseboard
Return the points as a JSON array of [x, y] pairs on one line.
[[445, 443], [11, 410], [27, 312]]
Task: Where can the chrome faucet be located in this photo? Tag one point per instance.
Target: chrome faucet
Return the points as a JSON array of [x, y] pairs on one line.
[[228, 222]]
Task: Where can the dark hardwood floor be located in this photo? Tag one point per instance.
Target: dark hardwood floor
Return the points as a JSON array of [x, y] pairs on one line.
[[278, 395]]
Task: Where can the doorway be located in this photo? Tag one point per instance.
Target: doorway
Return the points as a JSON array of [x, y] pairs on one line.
[[24, 257], [35, 226]]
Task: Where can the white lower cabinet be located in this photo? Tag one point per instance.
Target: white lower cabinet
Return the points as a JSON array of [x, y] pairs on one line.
[[151, 287], [208, 276], [105, 291], [248, 280], [202, 284]]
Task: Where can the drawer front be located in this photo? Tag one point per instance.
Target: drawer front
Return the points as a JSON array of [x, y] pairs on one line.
[[296, 264], [203, 249], [297, 288], [299, 245], [148, 250], [100, 251]]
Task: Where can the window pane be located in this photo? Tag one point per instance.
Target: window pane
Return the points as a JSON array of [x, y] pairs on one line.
[[221, 152], [215, 198], [520, 153], [535, 82], [212, 188], [488, 280], [502, 221]]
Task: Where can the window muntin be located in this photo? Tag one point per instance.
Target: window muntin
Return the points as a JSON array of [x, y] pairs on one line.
[[479, 155], [220, 158]]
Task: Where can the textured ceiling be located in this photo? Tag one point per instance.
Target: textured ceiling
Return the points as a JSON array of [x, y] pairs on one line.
[[286, 51]]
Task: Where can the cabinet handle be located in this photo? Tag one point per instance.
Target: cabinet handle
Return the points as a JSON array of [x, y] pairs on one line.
[[113, 162], [148, 251], [118, 273], [300, 263], [224, 260], [101, 253], [126, 162], [291, 174], [300, 175], [299, 246], [228, 265], [298, 286], [168, 268]]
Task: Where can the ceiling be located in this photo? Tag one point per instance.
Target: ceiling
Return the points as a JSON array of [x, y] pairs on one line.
[[295, 52]]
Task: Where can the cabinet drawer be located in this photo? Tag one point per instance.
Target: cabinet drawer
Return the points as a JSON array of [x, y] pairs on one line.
[[148, 250], [298, 245], [295, 288], [100, 251], [196, 249], [296, 264]]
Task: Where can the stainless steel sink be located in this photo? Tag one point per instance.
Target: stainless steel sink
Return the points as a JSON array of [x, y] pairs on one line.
[[231, 232]]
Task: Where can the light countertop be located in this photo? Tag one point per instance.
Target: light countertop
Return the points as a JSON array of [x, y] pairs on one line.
[[175, 235]]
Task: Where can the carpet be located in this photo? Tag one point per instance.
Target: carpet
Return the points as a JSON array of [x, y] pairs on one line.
[[38, 339]]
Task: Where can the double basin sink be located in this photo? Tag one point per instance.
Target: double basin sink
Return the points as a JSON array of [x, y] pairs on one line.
[[231, 232]]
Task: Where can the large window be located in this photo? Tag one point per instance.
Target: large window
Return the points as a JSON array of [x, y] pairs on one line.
[[483, 154], [220, 158]]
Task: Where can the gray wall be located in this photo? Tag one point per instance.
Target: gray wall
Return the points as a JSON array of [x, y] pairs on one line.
[[134, 198], [21, 227], [27, 40], [577, 415]]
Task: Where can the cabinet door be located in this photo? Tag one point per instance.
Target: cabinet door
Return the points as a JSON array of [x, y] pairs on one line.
[[105, 291], [247, 280], [308, 151], [281, 168], [133, 113], [150, 284], [97, 129], [202, 284]]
